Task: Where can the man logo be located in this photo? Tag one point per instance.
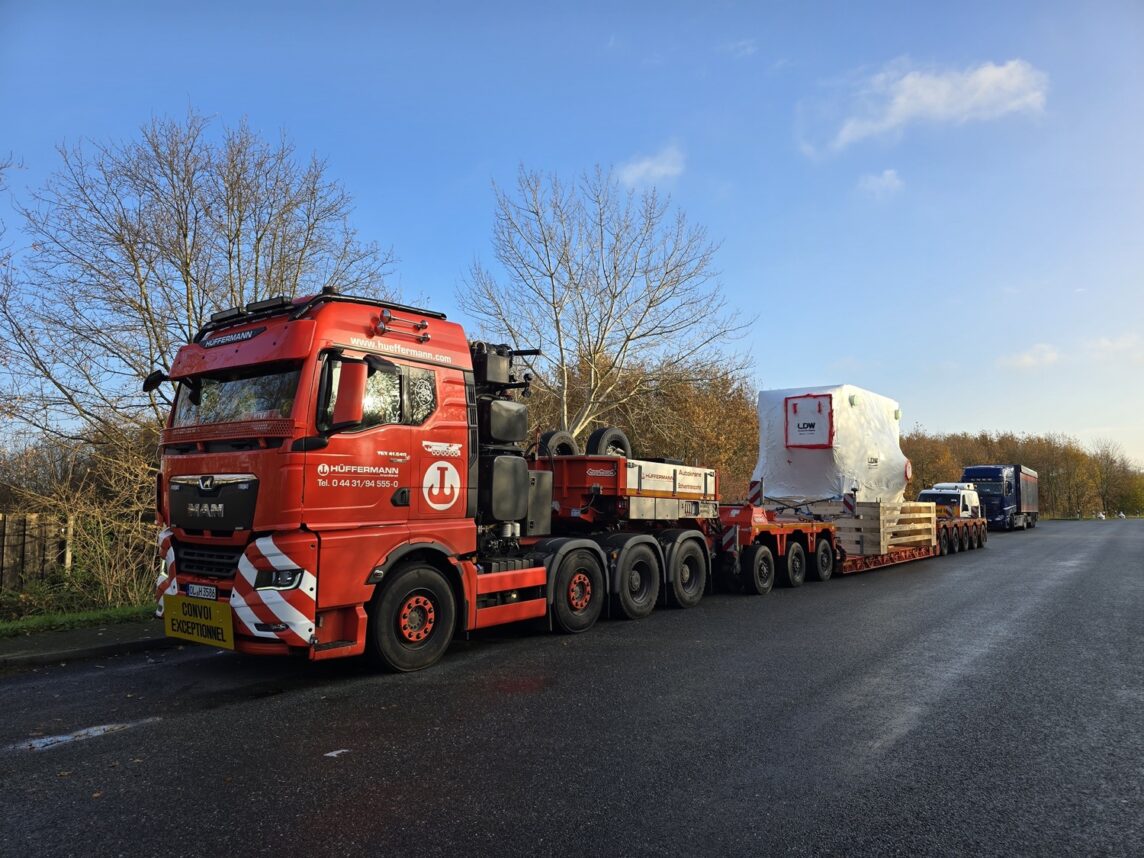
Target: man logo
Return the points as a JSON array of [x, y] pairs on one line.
[[323, 469], [441, 486]]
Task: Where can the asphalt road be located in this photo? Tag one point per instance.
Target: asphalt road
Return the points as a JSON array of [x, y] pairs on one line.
[[986, 703]]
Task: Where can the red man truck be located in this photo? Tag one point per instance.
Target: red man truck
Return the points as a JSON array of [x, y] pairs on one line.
[[343, 476]]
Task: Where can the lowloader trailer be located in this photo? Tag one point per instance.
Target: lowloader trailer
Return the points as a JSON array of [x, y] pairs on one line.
[[343, 476]]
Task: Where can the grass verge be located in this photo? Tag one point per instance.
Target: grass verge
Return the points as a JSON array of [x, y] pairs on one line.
[[84, 619]]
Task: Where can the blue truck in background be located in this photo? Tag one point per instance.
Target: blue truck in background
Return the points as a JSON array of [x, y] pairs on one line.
[[1009, 493]]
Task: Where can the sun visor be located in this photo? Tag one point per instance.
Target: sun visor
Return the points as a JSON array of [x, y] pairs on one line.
[[820, 443], [270, 340]]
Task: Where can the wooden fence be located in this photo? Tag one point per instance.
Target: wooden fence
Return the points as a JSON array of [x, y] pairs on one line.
[[33, 547]]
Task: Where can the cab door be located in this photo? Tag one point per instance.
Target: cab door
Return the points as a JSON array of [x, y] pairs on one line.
[[361, 475]]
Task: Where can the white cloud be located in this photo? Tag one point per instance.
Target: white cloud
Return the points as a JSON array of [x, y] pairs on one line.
[[901, 95], [881, 185], [1126, 349], [740, 49], [666, 164], [1041, 354]]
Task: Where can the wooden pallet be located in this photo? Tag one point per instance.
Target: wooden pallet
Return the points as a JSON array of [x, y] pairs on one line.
[[877, 528]]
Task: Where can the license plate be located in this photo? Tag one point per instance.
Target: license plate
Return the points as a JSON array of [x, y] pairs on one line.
[[198, 620], [202, 591]]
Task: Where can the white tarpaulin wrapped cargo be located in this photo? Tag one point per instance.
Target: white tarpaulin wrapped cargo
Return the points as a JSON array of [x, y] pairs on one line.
[[823, 442]]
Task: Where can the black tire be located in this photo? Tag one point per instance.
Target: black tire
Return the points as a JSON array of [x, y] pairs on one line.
[[984, 534], [689, 580], [943, 542], [579, 593], [411, 619], [757, 570], [609, 441], [971, 537], [823, 561], [964, 539], [1032, 521], [558, 443], [954, 540], [637, 579], [794, 570]]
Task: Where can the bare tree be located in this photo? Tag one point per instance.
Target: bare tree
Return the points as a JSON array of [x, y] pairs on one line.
[[132, 246], [615, 288]]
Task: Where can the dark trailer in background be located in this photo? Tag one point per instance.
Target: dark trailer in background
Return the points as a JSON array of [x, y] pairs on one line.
[[1009, 493]]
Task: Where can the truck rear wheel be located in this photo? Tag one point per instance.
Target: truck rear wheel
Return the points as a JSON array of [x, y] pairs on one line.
[[795, 567], [757, 570], [579, 592], [984, 534], [964, 539], [690, 578], [954, 540], [823, 561], [943, 542], [411, 620], [638, 582]]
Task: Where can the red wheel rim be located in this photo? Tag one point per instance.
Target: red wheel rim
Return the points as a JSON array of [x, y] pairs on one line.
[[416, 619], [579, 591]]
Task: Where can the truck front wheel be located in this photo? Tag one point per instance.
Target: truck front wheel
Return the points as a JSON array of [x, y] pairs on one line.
[[411, 620], [577, 601]]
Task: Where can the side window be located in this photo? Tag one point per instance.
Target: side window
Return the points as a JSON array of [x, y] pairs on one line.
[[422, 395], [382, 402], [397, 394]]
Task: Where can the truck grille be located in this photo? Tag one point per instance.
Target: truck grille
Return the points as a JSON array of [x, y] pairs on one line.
[[209, 562]]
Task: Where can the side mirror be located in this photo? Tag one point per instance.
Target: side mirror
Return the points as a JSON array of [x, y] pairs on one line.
[[152, 382], [350, 399]]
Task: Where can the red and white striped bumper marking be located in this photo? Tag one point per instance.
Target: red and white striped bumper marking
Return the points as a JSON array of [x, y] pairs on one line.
[[731, 538], [165, 584], [294, 608]]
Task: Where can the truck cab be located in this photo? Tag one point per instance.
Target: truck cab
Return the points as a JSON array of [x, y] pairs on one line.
[[958, 500], [1009, 493]]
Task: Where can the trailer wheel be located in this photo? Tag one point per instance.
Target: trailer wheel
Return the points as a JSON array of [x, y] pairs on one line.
[[823, 561], [795, 571], [609, 441], [558, 443], [943, 542], [579, 592], [757, 570], [638, 579], [690, 578], [964, 539], [411, 620], [954, 540]]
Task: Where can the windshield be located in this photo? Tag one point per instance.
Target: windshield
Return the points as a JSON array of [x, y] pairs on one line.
[[243, 394], [940, 498], [988, 487]]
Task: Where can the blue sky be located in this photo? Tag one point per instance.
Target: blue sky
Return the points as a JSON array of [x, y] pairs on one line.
[[941, 202]]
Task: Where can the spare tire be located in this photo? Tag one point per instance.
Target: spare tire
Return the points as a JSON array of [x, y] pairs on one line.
[[558, 443], [609, 441]]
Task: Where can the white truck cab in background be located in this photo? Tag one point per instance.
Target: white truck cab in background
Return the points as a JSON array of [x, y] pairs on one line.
[[960, 498]]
